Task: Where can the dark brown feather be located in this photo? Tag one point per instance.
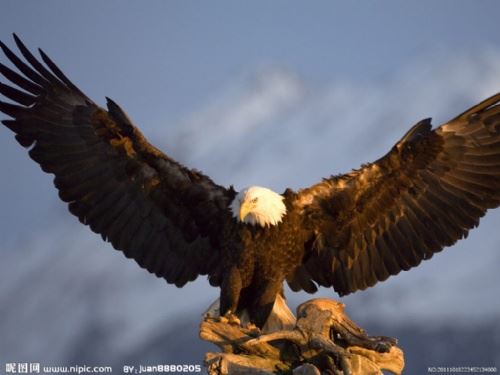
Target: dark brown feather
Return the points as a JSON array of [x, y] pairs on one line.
[[146, 204], [425, 194]]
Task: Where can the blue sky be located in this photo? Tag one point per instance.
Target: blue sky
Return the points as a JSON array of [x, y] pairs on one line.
[[277, 93], [183, 50]]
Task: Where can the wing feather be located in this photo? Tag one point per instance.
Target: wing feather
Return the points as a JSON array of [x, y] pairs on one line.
[[424, 195], [165, 216]]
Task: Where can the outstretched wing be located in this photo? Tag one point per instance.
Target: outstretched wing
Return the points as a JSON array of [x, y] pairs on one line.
[[388, 216], [165, 216]]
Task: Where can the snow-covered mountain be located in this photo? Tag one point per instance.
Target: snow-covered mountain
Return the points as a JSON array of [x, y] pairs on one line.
[[66, 297]]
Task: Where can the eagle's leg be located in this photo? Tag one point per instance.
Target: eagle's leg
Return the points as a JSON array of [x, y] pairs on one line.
[[230, 295], [264, 302]]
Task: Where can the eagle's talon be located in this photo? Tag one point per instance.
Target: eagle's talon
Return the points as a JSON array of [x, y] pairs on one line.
[[223, 319], [253, 330], [234, 320], [230, 318]]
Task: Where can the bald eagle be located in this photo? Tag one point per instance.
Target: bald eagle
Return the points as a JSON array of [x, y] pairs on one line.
[[347, 232]]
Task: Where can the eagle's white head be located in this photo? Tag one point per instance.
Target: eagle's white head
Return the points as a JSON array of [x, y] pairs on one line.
[[258, 205]]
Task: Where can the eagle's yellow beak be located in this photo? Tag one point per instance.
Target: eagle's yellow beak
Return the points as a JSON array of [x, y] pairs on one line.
[[244, 210]]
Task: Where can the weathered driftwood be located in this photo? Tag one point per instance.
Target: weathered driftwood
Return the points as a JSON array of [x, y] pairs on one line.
[[322, 339]]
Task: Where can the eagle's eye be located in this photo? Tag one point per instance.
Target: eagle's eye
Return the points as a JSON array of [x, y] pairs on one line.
[[254, 200]]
